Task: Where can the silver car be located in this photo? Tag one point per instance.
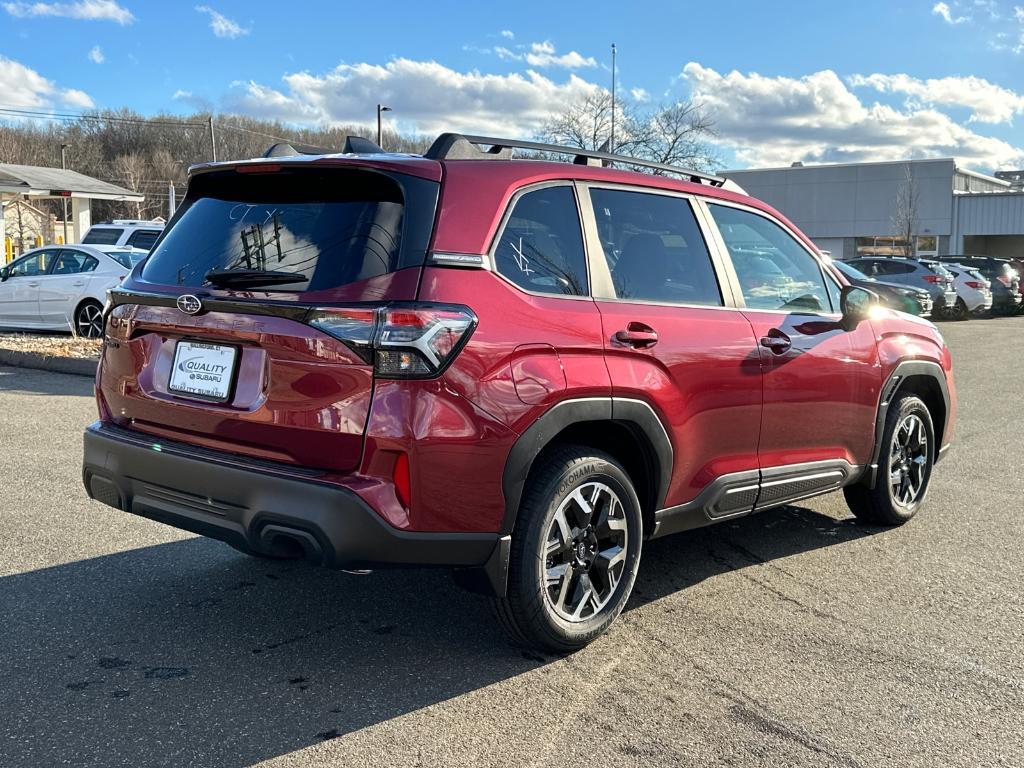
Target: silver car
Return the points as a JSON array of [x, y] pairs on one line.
[[933, 277]]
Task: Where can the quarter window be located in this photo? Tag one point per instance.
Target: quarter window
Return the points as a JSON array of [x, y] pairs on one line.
[[654, 249], [541, 247], [774, 270]]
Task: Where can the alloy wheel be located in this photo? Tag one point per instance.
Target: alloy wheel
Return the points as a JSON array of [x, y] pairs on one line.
[[89, 322], [908, 459], [585, 552]]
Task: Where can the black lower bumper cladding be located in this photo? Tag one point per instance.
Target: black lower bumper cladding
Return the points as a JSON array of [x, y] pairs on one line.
[[257, 508]]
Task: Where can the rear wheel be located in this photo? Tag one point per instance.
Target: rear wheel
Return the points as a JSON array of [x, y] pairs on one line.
[[960, 311], [904, 467], [575, 551], [89, 320]]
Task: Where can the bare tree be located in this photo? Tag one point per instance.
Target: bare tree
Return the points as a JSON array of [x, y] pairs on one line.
[[904, 213], [675, 134]]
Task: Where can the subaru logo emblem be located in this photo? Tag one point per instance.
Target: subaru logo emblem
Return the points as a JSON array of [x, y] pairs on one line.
[[189, 304]]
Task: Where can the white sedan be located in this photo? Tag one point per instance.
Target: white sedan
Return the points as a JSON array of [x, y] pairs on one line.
[[62, 288]]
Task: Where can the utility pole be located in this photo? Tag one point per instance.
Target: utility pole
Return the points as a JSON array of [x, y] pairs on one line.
[[611, 146], [64, 200], [380, 136], [213, 140], [171, 200]]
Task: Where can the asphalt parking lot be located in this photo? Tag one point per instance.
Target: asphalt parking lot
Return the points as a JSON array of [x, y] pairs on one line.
[[792, 638]]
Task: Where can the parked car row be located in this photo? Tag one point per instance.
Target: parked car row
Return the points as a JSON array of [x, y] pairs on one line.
[[948, 287]]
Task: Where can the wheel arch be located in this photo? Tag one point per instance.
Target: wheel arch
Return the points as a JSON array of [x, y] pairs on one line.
[[628, 429], [926, 380]]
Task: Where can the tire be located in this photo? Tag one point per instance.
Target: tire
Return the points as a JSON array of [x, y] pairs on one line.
[[894, 502], [960, 311], [555, 539], [88, 320]]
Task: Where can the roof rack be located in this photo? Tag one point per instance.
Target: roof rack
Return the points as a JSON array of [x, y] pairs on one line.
[[354, 145], [460, 146]]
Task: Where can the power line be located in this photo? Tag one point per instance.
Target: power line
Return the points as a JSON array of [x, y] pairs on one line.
[[72, 116]]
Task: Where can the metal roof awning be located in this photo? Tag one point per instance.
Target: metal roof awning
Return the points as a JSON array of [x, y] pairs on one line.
[[39, 181]]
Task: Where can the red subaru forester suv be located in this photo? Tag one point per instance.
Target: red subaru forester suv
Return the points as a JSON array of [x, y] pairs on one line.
[[515, 368]]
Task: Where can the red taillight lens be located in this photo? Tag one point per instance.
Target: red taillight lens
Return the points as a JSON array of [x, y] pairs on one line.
[[415, 341], [974, 284], [1004, 280], [400, 476], [933, 279]]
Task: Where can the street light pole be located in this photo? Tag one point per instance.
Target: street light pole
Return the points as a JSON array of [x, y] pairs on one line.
[[380, 135], [64, 200], [611, 142]]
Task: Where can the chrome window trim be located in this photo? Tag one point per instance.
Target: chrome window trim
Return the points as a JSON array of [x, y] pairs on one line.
[[599, 264]]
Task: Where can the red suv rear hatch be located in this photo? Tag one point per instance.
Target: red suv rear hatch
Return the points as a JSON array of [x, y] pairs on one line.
[[209, 341]]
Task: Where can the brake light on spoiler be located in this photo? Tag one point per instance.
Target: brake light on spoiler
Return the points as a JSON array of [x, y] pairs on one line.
[[401, 341]]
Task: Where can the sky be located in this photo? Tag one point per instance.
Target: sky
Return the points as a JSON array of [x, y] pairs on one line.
[[784, 82]]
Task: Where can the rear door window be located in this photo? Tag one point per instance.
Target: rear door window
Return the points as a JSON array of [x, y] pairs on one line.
[[326, 228], [72, 262], [541, 246], [654, 249], [144, 239]]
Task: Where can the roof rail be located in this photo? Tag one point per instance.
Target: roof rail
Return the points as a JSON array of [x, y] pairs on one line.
[[354, 145], [459, 146]]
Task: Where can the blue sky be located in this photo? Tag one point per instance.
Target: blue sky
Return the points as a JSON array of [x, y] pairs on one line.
[[817, 82]]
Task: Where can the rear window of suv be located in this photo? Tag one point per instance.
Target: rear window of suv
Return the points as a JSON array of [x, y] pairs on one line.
[[102, 236], [331, 227]]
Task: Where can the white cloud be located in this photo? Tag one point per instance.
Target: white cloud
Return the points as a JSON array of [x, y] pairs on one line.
[[943, 10], [95, 10], [773, 121], [988, 102], [427, 95], [221, 25], [544, 55], [95, 55], [197, 103], [541, 54], [508, 34], [24, 88], [639, 94]]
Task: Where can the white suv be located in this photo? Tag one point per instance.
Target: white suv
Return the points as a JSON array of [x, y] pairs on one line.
[[134, 233]]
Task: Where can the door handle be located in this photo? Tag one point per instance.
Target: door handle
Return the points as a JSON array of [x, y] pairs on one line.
[[78, 284], [776, 341], [637, 335], [33, 285]]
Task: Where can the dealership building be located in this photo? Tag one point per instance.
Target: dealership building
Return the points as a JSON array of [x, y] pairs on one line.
[[851, 209]]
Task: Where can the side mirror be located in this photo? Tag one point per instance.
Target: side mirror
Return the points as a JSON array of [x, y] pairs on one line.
[[856, 303], [4, 274]]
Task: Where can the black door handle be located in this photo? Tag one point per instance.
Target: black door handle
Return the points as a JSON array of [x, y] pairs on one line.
[[776, 341]]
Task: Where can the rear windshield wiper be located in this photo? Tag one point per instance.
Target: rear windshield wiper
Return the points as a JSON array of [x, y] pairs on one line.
[[251, 278]]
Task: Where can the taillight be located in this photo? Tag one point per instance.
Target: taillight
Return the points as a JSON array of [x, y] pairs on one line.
[[408, 341], [974, 284], [1004, 280], [933, 279]]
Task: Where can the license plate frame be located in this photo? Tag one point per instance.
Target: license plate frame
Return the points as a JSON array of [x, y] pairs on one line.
[[214, 356]]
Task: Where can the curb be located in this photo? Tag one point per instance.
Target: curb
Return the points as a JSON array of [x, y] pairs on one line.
[[70, 365]]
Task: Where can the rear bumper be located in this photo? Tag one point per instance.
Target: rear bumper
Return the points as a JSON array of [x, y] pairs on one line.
[[257, 509]]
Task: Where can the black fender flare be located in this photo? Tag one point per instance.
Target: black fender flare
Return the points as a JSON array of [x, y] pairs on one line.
[[632, 413], [899, 375]]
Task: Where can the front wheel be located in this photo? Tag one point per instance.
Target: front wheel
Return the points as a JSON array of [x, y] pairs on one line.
[[89, 320], [575, 551], [904, 466]]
